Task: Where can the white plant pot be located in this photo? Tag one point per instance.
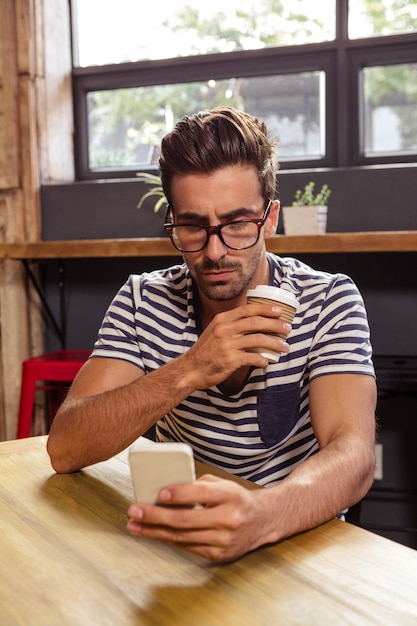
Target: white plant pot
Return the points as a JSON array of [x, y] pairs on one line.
[[304, 220]]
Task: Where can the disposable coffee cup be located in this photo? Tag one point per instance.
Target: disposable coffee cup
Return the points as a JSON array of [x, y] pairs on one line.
[[274, 295]]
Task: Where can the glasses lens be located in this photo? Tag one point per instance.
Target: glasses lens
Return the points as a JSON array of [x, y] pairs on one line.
[[189, 238], [240, 235]]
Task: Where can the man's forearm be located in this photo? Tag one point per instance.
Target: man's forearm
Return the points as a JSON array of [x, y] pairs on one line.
[[92, 429], [320, 488]]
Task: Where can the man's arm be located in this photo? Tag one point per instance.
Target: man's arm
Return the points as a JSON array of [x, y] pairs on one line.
[[342, 410], [234, 520], [111, 402]]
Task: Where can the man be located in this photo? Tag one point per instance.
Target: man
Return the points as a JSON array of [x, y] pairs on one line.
[[177, 349]]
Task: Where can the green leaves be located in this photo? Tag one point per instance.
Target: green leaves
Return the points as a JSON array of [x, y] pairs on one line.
[[156, 190], [307, 197]]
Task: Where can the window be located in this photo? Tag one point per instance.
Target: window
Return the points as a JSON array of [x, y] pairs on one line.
[[330, 101], [384, 17], [390, 109], [125, 126], [107, 32]]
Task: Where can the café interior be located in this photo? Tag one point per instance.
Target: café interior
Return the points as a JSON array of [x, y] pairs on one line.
[[72, 232]]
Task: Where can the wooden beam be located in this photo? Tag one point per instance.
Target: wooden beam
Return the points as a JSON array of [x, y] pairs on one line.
[[29, 155], [35, 144], [54, 95], [9, 127]]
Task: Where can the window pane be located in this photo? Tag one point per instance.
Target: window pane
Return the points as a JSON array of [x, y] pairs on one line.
[[390, 98], [105, 31], [387, 17], [126, 125]]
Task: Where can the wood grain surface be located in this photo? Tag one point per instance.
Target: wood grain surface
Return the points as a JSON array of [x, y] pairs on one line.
[[66, 558], [383, 241]]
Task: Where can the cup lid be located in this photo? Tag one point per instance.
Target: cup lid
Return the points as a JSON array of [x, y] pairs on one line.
[[274, 293]]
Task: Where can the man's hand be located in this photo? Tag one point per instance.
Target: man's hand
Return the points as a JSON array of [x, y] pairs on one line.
[[226, 523], [230, 339]]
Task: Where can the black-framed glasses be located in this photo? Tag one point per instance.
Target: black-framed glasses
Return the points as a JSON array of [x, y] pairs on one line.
[[237, 235]]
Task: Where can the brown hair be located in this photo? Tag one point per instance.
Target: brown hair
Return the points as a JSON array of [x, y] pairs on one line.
[[209, 140]]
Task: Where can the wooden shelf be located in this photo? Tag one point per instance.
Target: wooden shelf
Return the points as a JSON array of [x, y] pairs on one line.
[[383, 241]]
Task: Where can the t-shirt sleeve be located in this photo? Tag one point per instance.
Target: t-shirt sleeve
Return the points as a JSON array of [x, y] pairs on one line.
[[341, 343], [117, 337]]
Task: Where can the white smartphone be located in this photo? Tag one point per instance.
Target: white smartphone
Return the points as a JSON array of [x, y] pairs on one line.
[[155, 465]]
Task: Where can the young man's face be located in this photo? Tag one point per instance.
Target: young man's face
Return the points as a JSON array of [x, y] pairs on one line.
[[229, 194]]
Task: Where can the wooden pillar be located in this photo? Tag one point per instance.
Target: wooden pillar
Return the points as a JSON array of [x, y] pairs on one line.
[[35, 146]]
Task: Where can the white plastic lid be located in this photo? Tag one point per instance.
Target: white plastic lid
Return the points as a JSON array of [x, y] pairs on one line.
[[274, 293]]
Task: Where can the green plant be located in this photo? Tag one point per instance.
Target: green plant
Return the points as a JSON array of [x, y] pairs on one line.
[[156, 190], [307, 196]]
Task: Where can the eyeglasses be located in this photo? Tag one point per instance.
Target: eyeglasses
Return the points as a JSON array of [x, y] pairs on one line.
[[238, 235]]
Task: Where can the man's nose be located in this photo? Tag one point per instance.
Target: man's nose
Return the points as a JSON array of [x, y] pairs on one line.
[[215, 248]]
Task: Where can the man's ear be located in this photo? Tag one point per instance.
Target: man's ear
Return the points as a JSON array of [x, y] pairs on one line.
[[271, 223]]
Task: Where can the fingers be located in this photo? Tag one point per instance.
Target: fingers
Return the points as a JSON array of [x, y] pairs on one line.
[[262, 320], [212, 544], [254, 341], [207, 491], [250, 310], [252, 318], [190, 505], [220, 528]]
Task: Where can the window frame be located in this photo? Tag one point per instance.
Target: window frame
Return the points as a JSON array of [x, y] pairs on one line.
[[342, 61], [401, 49]]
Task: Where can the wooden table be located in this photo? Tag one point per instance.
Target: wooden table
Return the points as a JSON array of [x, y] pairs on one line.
[[66, 558]]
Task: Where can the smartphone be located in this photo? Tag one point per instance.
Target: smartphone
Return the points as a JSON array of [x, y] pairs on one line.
[[155, 465]]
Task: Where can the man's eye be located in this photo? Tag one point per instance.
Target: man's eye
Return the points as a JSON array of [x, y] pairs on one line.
[[191, 229], [237, 226]]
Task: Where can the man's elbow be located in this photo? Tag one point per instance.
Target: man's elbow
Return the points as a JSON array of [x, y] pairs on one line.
[[368, 474], [59, 461]]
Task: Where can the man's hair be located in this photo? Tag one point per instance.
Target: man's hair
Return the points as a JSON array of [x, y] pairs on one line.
[[213, 139]]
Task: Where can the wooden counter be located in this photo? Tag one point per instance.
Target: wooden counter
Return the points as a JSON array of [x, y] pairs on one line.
[[383, 241], [67, 559]]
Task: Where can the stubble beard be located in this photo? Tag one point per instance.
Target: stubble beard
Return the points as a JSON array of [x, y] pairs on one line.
[[225, 290]]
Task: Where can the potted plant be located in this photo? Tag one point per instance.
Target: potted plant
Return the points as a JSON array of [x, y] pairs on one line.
[[308, 213], [156, 190]]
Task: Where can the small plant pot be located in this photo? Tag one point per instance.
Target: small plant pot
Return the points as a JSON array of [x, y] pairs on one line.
[[304, 220]]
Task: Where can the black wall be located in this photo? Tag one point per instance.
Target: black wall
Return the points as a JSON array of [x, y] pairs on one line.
[[362, 199]]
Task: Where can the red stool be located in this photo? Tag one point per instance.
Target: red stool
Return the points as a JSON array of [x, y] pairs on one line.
[[61, 365]]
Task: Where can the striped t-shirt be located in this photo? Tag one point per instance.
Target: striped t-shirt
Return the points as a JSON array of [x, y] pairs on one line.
[[263, 431]]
